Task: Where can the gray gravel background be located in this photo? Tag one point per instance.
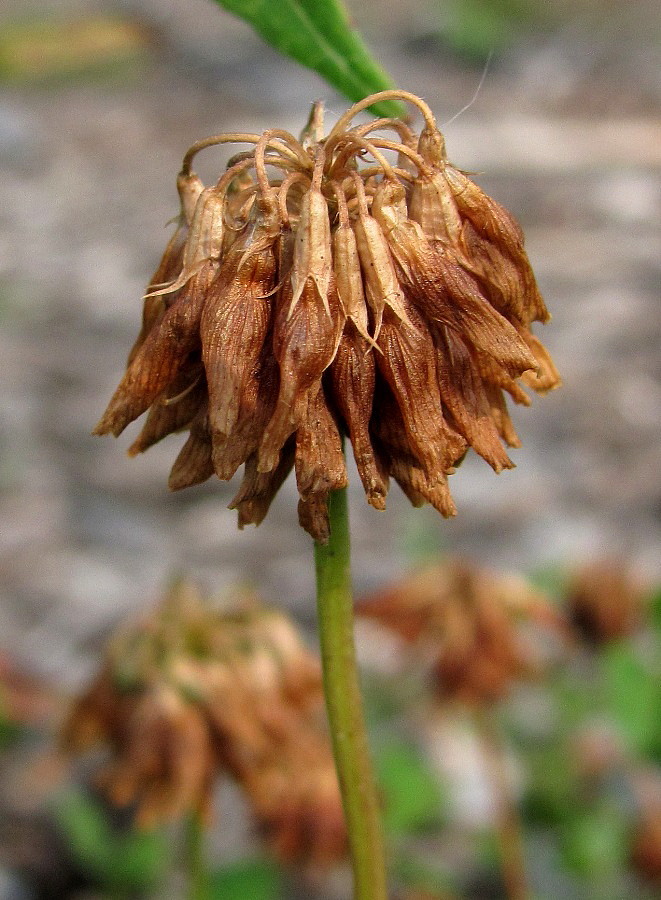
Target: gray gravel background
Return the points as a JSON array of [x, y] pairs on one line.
[[566, 132]]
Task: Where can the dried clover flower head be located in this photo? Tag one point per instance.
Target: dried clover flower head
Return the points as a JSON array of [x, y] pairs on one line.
[[190, 693], [356, 284], [467, 624]]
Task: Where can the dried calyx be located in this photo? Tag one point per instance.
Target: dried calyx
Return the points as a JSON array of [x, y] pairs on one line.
[[355, 284]]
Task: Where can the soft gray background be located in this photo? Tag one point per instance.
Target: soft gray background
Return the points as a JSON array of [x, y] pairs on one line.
[[565, 131]]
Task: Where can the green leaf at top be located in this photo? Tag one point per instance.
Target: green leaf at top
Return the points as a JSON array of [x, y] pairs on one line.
[[317, 34]]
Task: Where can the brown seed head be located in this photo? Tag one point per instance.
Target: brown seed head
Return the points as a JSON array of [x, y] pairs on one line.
[[319, 286]]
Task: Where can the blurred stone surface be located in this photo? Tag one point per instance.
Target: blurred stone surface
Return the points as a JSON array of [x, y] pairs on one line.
[[87, 173]]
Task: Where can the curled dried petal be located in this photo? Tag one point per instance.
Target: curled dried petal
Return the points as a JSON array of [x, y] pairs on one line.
[[189, 186], [194, 463], [494, 375], [304, 344], [509, 284], [161, 356], [441, 287], [489, 218], [313, 257], [233, 328], [464, 397], [348, 277], [432, 203], [175, 409], [258, 489], [204, 242], [255, 410], [382, 287], [320, 466], [501, 417], [401, 462], [408, 363], [353, 379], [313, 517], [153, 308], [546, 377]]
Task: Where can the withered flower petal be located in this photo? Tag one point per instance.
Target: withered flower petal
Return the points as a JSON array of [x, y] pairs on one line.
[[194, 464], [255, 410], [353, 378], [464, 397], [175, 409], [233, 329], [258, 489], [320, 466], [154, 307], [408, 363], [305, 340], [161, 356], [400, 461]]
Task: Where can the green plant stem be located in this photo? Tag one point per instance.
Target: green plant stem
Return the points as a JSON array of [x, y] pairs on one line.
[[198, 875], [344, 705]]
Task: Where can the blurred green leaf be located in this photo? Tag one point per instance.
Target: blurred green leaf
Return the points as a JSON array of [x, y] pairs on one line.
[[595, 843], [476, 28], [552, 786], [9, 731], [632, 695], [420, 875], [573, 693], [44, 49], [319, 35], [413, 799], [552, 579], [119, 860], [249, 879]]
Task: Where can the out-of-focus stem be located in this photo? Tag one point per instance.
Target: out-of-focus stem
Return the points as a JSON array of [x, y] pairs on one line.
[[344, 705], [507, 819], [198, 875]]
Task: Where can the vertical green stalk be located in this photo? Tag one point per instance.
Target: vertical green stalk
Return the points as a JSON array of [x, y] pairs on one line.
[[198, 876], [345, 707]]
